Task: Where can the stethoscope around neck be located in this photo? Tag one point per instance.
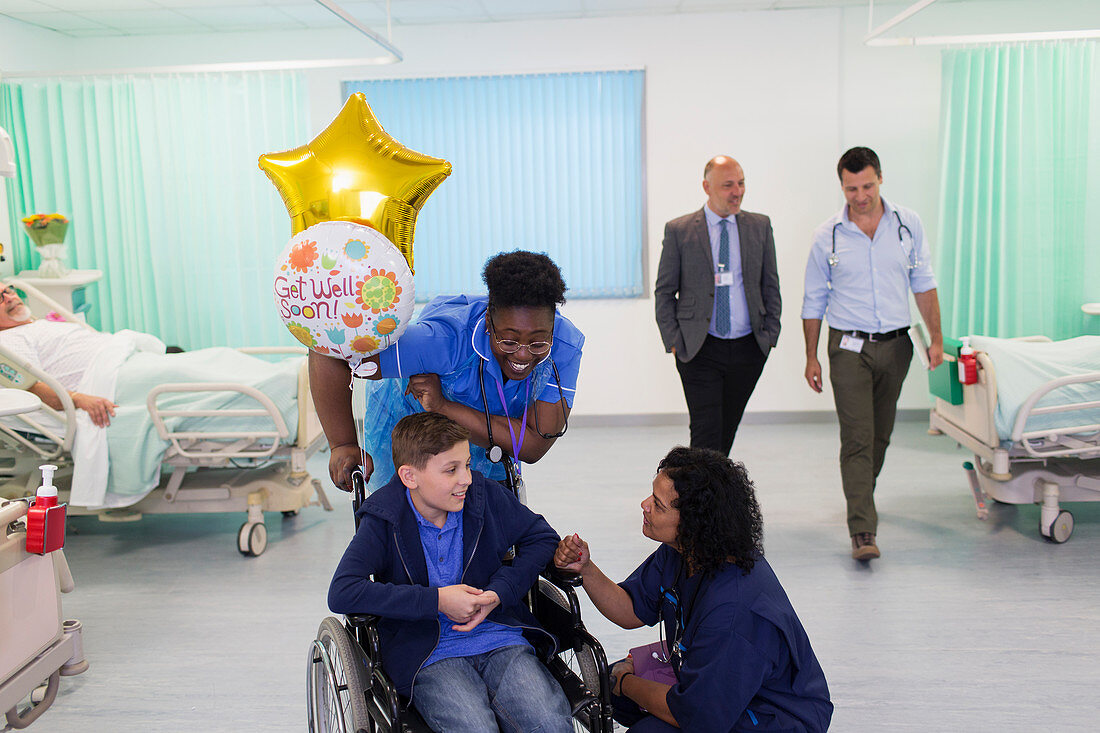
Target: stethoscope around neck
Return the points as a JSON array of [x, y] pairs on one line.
[[914, 260], [495, 453]]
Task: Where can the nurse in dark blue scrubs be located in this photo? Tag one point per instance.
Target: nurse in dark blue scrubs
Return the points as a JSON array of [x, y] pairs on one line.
[[510, 356], [737, 652]]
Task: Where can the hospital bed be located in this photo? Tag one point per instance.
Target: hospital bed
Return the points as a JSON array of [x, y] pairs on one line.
[[36, 646], [244, 458], [1036, 443]]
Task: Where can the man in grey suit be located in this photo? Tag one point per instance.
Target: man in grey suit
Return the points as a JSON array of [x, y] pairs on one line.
[[717, 299]]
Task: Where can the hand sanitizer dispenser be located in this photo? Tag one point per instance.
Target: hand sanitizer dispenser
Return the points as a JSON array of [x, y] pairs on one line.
[[46, 518]]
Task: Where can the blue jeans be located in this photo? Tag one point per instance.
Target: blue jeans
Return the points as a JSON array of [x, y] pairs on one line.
[[507, 686]]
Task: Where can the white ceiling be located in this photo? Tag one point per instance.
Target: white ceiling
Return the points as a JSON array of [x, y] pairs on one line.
[[84, 18]]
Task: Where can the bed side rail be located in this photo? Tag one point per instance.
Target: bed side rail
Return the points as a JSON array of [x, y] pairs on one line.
[[56, 444], [1075, 440], [229, 443], [309, 426]]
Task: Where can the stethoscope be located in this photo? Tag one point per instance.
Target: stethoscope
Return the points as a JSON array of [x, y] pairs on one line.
[[914, 259], [495, 453]]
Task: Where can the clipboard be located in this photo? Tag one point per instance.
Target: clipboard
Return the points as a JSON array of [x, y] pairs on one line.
[[919, 337]]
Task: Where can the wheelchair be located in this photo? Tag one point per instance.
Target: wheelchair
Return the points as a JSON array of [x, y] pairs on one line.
[[347, 690]]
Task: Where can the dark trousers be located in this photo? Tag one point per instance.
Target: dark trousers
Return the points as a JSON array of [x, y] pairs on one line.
[[866, 387], [627, 713], [718, 382]]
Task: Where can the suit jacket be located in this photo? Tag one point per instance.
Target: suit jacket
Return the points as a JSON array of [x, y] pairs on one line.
[[684, 293]]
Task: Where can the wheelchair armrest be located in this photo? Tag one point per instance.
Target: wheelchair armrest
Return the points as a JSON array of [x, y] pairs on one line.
[[562, 578], [361, 620]]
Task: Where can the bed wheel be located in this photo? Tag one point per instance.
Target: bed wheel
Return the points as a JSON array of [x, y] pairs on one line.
[[292, 513], [1061, 528], [252, 539]]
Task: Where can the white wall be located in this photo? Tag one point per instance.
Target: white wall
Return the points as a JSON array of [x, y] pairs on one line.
[[785, 92]]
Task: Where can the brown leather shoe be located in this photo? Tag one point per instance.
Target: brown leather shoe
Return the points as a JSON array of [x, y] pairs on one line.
[[864, 547]]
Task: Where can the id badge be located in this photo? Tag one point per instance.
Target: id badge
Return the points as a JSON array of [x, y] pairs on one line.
[[723, 279], [851, 343]]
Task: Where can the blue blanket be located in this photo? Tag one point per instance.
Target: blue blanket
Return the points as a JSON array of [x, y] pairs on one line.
[[135, 450], [1025, 366]]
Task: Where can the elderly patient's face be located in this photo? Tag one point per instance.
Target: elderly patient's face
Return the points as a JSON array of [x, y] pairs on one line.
[[13, 311], [660, 520]]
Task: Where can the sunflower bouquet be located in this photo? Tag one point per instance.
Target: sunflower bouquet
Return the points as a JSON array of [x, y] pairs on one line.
[[46, 229]]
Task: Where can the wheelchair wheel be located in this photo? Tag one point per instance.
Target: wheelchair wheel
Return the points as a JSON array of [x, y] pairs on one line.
[[337, 682], [583, 664]]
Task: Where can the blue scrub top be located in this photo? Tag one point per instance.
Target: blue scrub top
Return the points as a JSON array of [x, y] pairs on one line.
[[450, 339], [748, 664]]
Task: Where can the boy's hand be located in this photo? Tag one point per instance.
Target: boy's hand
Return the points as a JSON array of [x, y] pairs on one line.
[[460, 603], [488, 600], [572, 554]]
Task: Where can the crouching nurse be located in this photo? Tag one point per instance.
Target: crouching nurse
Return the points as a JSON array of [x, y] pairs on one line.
[[735, 655]]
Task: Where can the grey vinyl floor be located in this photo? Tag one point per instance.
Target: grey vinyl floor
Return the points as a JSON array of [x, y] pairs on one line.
[[961, 626]]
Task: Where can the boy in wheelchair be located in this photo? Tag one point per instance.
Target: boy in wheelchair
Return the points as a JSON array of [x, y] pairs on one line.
[[427, 560]]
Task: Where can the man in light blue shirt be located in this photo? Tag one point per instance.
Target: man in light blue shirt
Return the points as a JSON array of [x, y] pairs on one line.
[[863, 263]]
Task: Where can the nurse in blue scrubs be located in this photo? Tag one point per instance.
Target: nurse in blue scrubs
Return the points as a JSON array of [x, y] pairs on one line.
[[504, 367], [733, 645]]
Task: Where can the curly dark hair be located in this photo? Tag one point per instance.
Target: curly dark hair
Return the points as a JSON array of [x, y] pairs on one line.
[[522, 279], [719, 518]]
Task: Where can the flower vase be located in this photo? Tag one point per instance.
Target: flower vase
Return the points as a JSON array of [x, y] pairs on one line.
[[47, 231], [52, 264]]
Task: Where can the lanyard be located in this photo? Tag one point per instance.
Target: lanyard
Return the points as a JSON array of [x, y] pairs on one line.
[[508, 418]]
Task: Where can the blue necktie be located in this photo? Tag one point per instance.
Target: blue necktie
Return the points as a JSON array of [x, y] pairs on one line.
[[722, 292]]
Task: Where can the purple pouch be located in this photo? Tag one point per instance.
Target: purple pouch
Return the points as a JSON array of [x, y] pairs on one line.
[[648, 664]]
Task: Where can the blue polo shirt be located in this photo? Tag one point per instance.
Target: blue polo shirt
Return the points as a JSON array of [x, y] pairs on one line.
[[443, 556]]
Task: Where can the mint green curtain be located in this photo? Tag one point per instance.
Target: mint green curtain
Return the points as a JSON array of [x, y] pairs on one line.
[[1014, 256], [159, 177]]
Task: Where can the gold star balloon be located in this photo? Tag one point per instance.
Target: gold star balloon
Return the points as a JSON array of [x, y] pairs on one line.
[[355, 171]]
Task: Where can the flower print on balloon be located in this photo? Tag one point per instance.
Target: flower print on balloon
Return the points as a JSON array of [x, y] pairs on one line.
[[379, 292], [302, 256]]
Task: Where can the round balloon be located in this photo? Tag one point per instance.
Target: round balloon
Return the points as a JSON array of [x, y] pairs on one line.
[[344, 290]]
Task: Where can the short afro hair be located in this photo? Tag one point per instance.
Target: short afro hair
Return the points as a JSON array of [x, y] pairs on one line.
[[522, 279], [720, 519]]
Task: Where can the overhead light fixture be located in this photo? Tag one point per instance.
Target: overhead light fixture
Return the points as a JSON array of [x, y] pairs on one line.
[[394, 55], [874, 35]]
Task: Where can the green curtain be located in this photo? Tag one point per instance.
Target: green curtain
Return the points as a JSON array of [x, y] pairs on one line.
[[159, 177], [1014, 256]]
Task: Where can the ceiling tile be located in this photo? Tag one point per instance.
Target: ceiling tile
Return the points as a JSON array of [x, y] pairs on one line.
[[7, 7], [511, 9], [82, 6], [57, 21], [312, 16], [258, 18], [437, 11], [158, 21]]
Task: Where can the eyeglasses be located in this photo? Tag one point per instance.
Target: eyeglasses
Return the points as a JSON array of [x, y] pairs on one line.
[[508, 346]]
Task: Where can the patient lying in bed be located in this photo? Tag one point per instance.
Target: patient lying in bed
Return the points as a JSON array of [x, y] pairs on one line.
[[109, 377], [62, 350]]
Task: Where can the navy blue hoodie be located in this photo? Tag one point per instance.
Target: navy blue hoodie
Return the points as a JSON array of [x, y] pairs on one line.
[[387, 548]]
